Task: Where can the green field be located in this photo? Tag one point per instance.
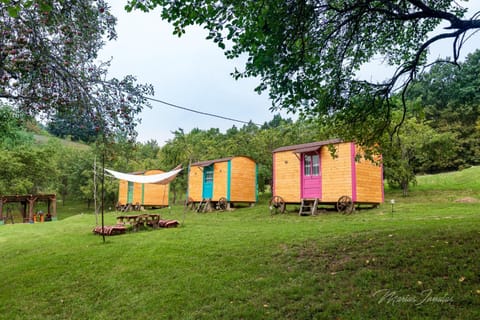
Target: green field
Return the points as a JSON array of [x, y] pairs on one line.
[[420, 260]]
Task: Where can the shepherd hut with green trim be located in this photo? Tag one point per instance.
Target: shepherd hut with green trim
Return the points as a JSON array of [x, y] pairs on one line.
[[222, 182], [142, 194]]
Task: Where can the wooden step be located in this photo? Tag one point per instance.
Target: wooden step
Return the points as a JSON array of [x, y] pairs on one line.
[[205, 206], [308, 207]]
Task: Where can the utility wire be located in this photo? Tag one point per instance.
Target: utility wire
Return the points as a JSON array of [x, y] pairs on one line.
[[201, 112]]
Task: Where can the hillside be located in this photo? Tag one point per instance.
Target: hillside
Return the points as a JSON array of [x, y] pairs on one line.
[[467, 179], [418, 261], [44, 138], [442, 189]]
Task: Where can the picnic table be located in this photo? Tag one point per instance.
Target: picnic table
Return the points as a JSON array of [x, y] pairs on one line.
[[136, 221], [139, 220]]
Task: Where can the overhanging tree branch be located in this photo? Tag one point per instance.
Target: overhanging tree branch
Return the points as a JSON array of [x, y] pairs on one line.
[[47, 63], [306, 53]]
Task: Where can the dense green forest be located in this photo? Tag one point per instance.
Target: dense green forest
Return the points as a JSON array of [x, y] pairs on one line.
[[441, 132]]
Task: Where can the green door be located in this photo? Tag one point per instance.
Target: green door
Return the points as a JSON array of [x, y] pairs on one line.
[[130, 192], [207, 191]]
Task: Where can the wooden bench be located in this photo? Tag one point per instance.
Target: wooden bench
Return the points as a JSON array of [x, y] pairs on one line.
[[109, 230]]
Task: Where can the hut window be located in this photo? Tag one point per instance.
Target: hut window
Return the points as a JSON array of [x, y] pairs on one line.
[[315, 165], [208, 176], [311, 165], [307, 165]]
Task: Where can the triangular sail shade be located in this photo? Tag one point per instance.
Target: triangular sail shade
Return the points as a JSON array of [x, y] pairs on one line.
[[162, 178]]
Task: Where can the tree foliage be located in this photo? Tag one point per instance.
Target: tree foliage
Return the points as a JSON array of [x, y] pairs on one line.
[[74, 127], [249, 140], [415, 149], [450, 98], [308, 53], [48, 52], [68, 170], [27, 170]]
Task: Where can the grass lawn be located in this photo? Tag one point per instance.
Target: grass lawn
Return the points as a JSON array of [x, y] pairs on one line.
[[420, 261]]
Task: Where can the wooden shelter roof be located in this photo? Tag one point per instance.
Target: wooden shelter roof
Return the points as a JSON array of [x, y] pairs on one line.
[[307, 147], [210, 162], [29, 201], [206, 163]]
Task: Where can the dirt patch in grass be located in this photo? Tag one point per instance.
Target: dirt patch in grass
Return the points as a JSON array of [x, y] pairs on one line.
[[467, 200]]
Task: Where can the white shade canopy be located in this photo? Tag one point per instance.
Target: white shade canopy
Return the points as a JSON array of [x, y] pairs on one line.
[[161, 178]]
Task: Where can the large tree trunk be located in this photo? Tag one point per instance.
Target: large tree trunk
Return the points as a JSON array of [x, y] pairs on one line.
[[405, 188]]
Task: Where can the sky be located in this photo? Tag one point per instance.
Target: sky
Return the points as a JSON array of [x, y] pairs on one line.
[[193, 72], [189, 71]]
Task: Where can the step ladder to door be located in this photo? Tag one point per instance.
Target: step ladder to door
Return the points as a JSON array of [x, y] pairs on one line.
[[308, 207], [204, 206]]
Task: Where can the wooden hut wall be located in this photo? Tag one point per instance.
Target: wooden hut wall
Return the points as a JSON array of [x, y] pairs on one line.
[[123, 192], [369, 181], [286, 176], [155, 194], [234, 179], [220, 180], [144, 194], [243, 181], [137, 193], [336, 172], [340, 175], [195, 183]]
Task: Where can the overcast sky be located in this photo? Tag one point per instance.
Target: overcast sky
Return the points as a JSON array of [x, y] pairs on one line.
[[188, 71], [193, 72]]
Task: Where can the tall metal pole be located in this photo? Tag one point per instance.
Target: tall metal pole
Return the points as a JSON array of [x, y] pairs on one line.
[[188, 191], [103, 191], [95, 189]]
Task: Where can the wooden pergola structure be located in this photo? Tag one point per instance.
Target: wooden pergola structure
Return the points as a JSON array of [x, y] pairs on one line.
[[28, 204]]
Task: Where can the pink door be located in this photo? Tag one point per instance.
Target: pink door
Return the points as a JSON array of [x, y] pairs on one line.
[[311, 176]]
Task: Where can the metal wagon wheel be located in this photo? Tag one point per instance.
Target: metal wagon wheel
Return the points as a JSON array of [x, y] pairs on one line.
[[345, 205], [222, 203], [277, 205]]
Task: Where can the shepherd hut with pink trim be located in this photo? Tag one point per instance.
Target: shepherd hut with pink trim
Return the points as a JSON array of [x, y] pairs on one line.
[[330, 172]]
